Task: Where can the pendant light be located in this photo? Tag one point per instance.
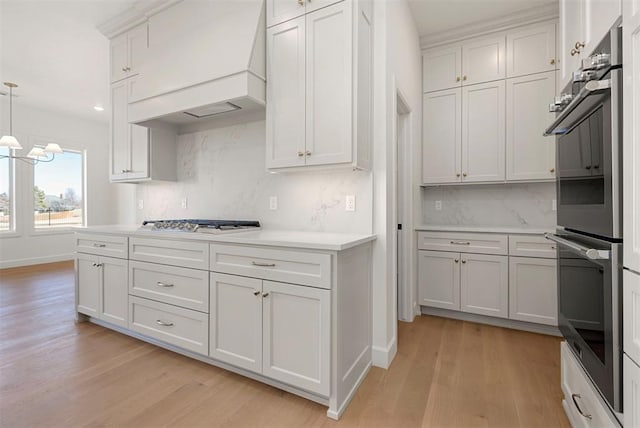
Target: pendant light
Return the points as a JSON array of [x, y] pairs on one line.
[[37, 154]]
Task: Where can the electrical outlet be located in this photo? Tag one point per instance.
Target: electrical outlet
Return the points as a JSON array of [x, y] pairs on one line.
[[554, 206], [183, 203], [273, 202], [438, 205], [350, 203], [140, 204]]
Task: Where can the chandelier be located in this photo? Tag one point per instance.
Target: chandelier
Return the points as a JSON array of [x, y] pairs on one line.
[[37, 154]]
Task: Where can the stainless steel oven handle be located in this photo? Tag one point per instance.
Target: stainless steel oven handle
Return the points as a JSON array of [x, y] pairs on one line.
[[590, 253]]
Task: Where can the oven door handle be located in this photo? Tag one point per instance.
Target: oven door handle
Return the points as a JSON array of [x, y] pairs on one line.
[[591, 253]]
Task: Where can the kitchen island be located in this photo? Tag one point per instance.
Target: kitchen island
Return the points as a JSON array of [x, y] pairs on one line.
[[287, 308]]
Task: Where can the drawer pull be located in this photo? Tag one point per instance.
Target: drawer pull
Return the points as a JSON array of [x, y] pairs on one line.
[[99, 245], [164, 323], [575, 403], [163, 284], [263, 264], [460, 242]]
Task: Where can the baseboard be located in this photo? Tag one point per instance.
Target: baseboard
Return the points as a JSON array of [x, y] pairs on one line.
[[335, 414], [35, 260], [498, 322], [382, 357]]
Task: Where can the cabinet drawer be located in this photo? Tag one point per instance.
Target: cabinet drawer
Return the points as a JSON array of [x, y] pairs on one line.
[[178, 326], [295, 267], [184, 287], [485, 243], [577, 389], [164, 251], [531, 246], [102, 245]]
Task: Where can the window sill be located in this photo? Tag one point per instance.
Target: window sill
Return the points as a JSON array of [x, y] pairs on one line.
[[10, 234]]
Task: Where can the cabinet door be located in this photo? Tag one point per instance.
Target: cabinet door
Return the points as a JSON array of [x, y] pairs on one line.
[[286, 94], [329, 85], [296, 335], [533, 290], [631, 314], [235, 321], [484, 285], [87, 284], [441, 136], [483, 60], [530, 156], [631, 138], [114, 303], [118, 57], [137, 45], [571, 32], [631, 392], [119, 131], [599, 17], [439, 279], [442, 68], [483, 132], [531, 50], [139, 142], [283, 10], [318, 4]]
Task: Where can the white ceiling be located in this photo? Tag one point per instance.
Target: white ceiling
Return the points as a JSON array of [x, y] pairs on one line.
[[434, 16], [53, 51]]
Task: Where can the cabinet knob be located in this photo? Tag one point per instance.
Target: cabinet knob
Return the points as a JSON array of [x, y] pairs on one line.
[[300, 154], [552, 61], [456, 260], [464, 77], [552, 170], [458, 175], [574, 52], [458, 79], [579, 45], [301, 2], [308, 153], [256, 293], [464, 261], [464, 174], [124, 68], [265, 294]]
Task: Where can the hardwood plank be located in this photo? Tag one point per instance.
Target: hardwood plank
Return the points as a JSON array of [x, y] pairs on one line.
[[447, 373]]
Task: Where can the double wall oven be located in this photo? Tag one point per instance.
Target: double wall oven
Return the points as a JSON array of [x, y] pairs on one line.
[[588, 129]]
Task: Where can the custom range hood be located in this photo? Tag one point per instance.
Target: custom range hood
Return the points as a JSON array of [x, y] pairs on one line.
[[205, 60]]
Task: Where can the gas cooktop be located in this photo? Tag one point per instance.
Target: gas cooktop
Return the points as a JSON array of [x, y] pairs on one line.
[[200, 225]]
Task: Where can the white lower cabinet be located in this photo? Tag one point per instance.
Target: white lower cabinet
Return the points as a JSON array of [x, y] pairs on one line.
[[102, 288], [631, 392], [279, 330], [533, 291], [484, 285], [439, 274]]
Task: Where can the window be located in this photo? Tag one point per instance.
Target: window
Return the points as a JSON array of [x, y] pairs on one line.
[[6, 222], [59, 192]]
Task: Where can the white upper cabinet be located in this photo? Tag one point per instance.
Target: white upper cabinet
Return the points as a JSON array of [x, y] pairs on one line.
[[329, 85], [531, 50], [128, 51], [583, 24], [286, 94], [483, 60], [319, 69], [631, 137], [530, 156], [442, 136], [279, 11], [442, 68], [483, 132]]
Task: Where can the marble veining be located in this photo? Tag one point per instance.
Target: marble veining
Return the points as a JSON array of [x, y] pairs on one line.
[[517, 205], [222, 174]]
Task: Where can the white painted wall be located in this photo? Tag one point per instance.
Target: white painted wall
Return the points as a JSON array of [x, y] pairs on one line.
[[397, 52], [26, 246]]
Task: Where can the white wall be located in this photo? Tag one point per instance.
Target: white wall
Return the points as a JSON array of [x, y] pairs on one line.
[[25, 246], [222, 174], [397, 52]]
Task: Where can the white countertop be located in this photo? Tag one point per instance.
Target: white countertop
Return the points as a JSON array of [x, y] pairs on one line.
[[275, 238], [485, 229]]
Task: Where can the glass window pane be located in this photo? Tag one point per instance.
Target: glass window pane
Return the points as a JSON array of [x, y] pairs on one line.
[[58, 192], [5, 191]]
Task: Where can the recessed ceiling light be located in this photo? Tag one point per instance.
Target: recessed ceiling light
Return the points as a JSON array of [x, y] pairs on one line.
[[98, 107]]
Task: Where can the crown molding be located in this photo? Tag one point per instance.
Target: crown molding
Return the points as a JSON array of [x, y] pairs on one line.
[[138, 14], [480, 28]]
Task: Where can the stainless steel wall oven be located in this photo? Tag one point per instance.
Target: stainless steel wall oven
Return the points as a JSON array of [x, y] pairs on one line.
[[588, 127]]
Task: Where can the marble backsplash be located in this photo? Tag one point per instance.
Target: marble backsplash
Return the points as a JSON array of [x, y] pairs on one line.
[[222, 174], [526, 205]]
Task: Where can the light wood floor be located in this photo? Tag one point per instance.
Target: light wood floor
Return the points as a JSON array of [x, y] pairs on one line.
[[56, 373]]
